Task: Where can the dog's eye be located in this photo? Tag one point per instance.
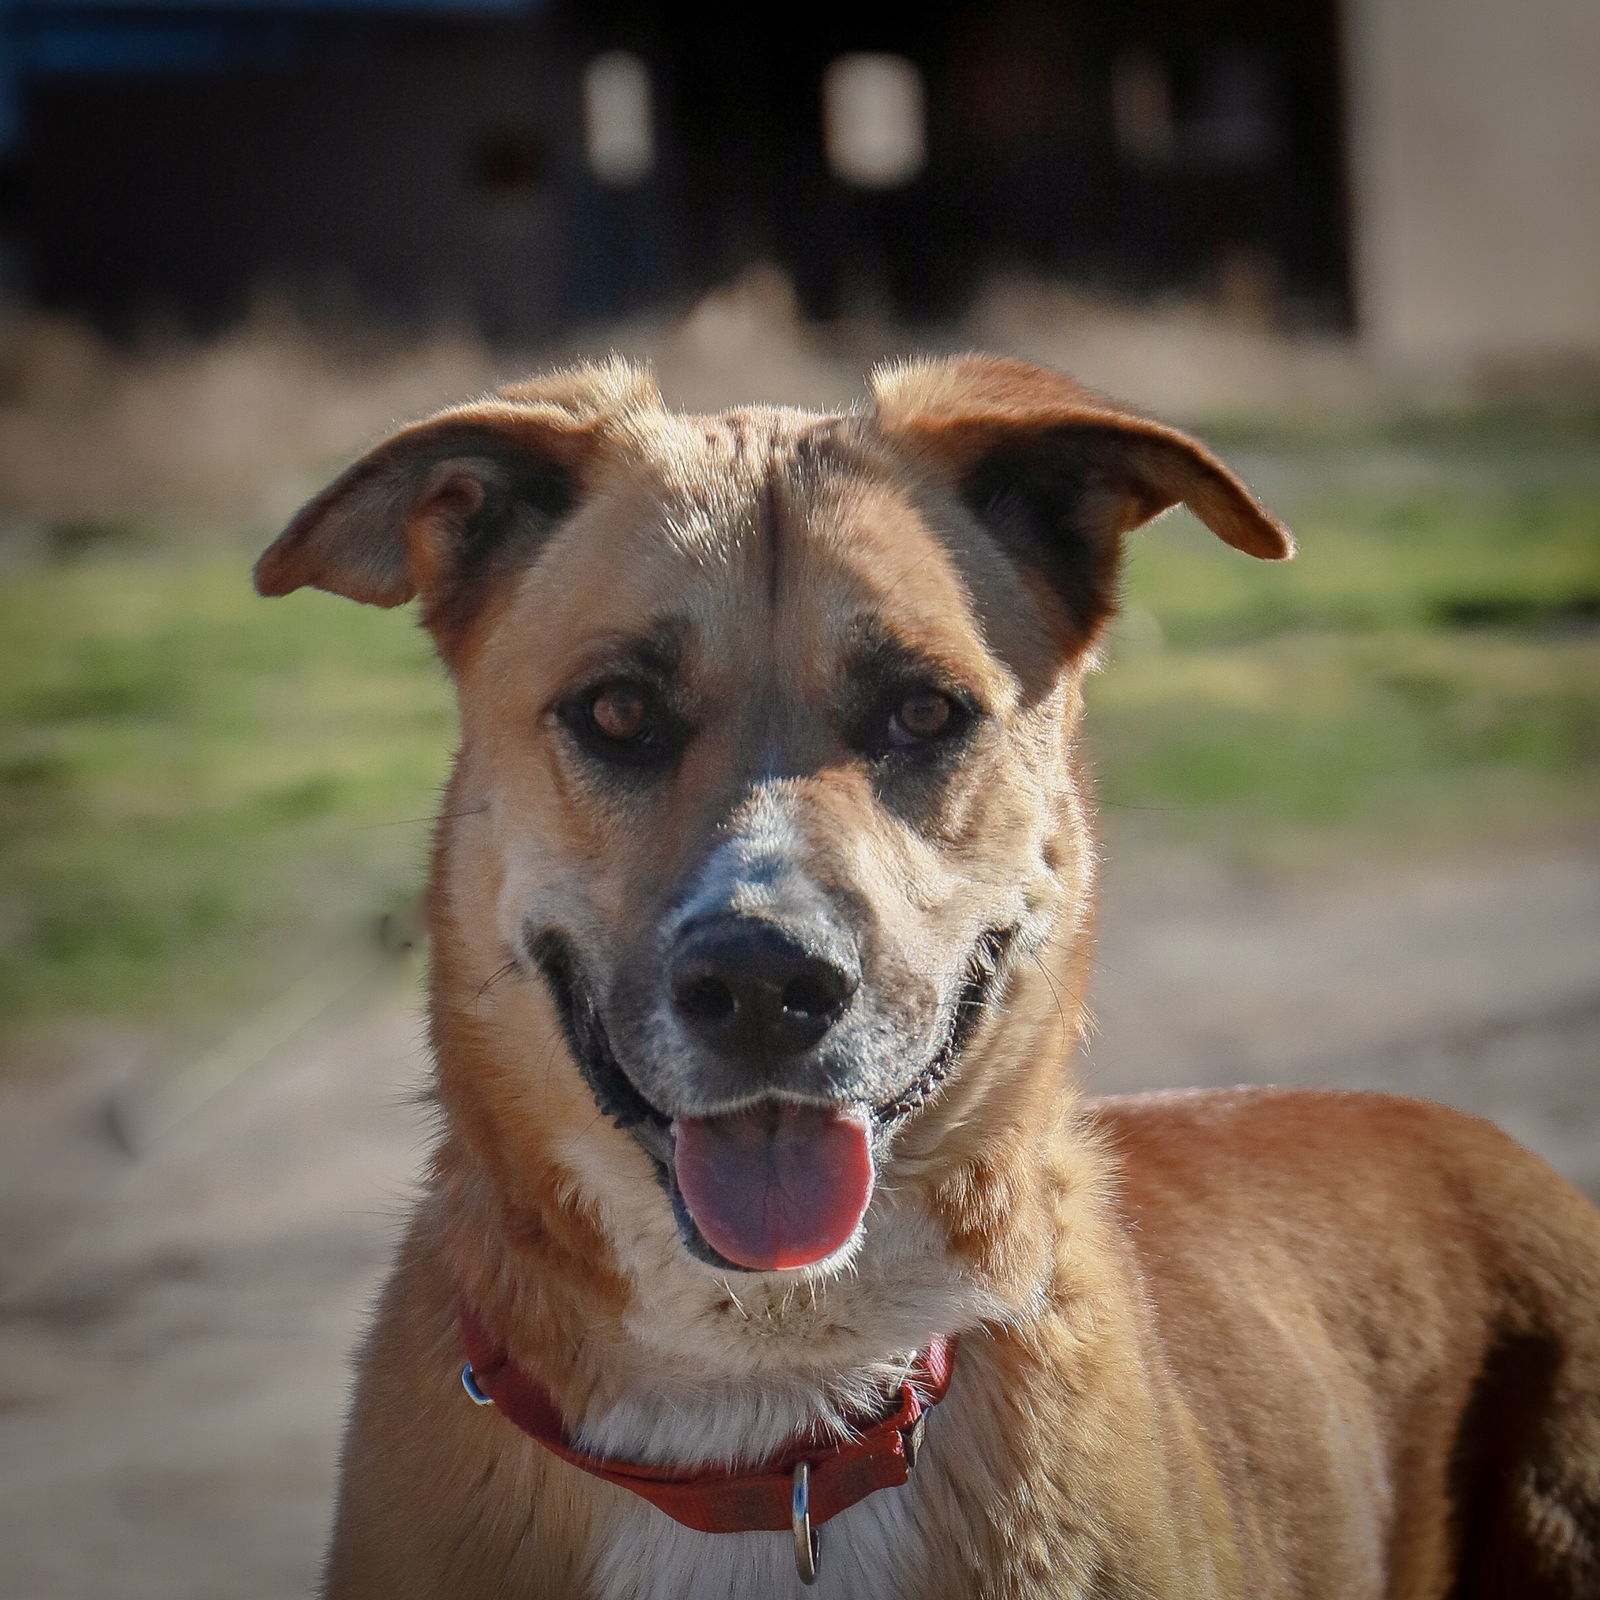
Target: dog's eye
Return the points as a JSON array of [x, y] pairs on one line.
[[621, 711], [622, 722], [920, 717], [922, 714]]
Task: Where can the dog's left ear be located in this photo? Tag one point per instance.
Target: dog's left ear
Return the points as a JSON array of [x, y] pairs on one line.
[[413, 516], [1058, 473]]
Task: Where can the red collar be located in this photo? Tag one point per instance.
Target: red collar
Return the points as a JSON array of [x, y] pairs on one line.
[[712, 1498]]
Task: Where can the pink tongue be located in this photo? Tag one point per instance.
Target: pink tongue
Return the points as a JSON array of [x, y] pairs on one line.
[[778, 1187]]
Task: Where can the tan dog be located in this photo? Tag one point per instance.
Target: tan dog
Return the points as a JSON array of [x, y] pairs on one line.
[[760, 918]]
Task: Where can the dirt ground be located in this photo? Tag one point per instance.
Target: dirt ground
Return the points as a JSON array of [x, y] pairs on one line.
[[175, 1329]]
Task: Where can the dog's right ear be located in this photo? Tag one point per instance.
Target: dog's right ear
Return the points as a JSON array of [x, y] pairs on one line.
[[1058, 474], [416, 514]]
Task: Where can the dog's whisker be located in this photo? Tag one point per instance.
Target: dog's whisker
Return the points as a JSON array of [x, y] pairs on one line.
[[499, 974], [434, 817], [1061, 1015]]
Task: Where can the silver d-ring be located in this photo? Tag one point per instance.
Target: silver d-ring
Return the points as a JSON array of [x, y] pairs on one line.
[[807, 1540], [469, 1382]]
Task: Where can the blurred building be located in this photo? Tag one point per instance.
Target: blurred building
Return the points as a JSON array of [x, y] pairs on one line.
[[1420, 170], [1474, 154]]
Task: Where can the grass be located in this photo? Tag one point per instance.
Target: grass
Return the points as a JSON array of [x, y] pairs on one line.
[[1429, 663], [201, 793]]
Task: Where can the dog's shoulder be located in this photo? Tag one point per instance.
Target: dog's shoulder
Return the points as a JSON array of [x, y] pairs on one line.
[[1361, 1191], [1349, 1148]]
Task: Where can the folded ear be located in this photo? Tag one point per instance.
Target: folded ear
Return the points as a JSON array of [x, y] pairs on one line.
[[418, 514], [1058, 473]]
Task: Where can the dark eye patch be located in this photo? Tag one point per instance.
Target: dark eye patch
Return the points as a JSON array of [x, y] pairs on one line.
[[902, 705], [624, 713], [624, 723]]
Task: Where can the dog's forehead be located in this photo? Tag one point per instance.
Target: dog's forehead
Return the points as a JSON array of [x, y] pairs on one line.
[[700, 456], [755, 533]]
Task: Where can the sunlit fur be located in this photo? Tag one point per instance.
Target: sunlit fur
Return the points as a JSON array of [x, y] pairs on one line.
[[1248, 1345]]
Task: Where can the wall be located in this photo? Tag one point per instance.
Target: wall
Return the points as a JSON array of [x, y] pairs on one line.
[[1475, 177]]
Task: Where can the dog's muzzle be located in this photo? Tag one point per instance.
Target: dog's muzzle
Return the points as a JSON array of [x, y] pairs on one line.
[[782, 1179]]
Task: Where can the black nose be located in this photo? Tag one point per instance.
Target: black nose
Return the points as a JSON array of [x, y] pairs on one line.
[[745, 987]]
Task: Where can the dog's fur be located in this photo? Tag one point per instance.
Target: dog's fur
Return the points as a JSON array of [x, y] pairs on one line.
[[1244, 1344]]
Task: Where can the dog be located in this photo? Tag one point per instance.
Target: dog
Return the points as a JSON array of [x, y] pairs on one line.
[[761, 913]]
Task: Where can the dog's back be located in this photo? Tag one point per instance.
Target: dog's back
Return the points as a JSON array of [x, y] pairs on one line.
[[1410, 1274]]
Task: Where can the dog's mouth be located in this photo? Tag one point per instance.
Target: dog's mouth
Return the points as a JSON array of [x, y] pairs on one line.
[[779, 1185]]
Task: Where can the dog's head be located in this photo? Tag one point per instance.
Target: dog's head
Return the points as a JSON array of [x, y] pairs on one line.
[[765, 783]]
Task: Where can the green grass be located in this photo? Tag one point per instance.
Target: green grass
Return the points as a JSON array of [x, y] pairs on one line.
[[1428, 665], [201, 793]]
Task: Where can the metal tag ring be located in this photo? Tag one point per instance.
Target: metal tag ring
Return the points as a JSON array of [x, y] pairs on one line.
[[807, 1540]]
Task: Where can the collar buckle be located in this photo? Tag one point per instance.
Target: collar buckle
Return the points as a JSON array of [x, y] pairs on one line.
[[807, 1540], [913, 1440]]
